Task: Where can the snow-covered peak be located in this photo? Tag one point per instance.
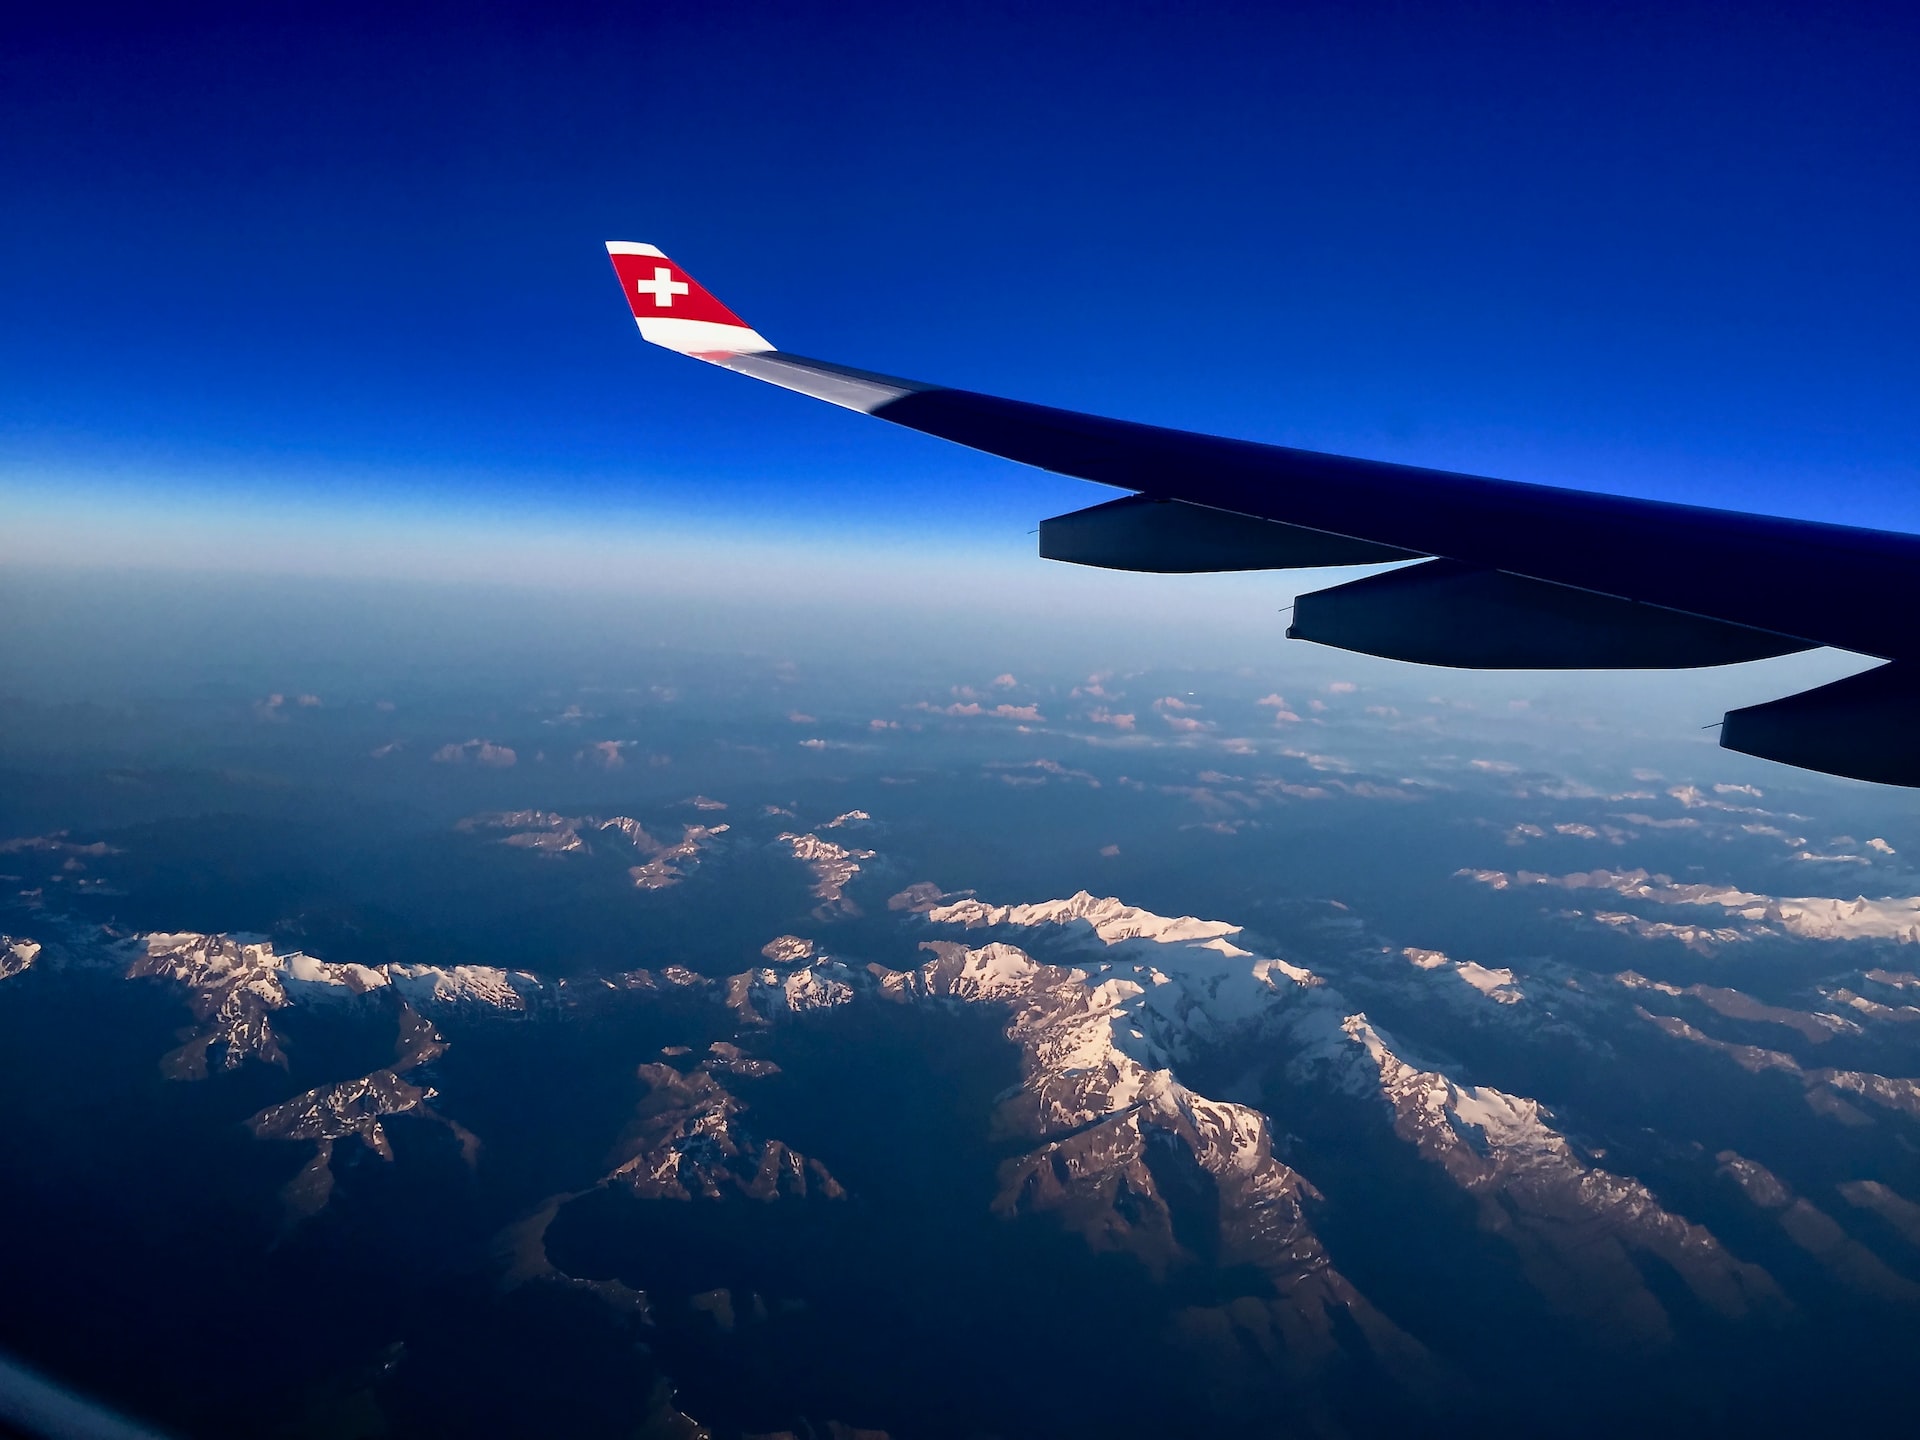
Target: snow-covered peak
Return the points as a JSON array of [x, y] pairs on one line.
[[1503, 1148], [690, 1140], [1498, 985], [812, 848], [1106, 1037], [1894, 917], [1110, 919], [486, 985], [1185, 981], [239, 980], [16, 955], [1102, 1106], [237, 960], [1477, 1116], [993, 972], [834, 868], [549, 833]]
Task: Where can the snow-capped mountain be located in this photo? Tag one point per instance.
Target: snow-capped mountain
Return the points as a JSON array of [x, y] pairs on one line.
[[1109, 1004], [355, 1108], [235, 983], [1894, 917], [663, 862], [1169, 1066], [1103, 1040], [693, 1138], [16, 955], [833, 865], [1574, 1225]]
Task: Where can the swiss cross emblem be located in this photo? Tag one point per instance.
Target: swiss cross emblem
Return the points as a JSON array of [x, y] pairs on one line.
[[663, 287]]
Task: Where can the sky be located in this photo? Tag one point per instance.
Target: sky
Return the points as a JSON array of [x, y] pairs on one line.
[[295, 287]]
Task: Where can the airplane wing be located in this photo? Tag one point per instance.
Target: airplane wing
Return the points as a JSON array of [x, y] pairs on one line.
[[1510, 575]]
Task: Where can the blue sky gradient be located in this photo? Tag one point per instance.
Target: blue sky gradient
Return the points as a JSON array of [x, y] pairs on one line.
[[268, 264]]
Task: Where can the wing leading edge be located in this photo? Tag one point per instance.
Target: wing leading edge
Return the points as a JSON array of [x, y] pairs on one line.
[[1513, 575]]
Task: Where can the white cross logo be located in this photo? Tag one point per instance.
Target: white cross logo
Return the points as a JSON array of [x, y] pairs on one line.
[[663, 287]]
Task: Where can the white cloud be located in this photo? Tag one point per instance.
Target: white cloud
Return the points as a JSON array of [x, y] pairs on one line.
[[1008, 771], [478, 752], [606, 754], [1319, 762], [974, 707]]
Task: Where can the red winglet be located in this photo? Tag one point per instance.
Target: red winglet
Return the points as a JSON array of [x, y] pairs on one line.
[[675, 310]]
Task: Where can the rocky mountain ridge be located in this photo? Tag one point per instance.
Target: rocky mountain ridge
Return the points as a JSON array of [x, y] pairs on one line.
[[235, 984], [664, 863]]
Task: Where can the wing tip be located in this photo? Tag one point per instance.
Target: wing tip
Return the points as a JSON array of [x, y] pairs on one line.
[[674, 310]]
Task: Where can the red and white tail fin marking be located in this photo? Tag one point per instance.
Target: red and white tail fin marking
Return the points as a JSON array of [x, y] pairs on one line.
[[675, 310]]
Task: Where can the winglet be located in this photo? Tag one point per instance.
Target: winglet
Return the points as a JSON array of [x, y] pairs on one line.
[[674, 310]]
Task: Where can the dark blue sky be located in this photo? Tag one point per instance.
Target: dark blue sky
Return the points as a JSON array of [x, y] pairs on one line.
[[1667, 249]]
